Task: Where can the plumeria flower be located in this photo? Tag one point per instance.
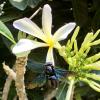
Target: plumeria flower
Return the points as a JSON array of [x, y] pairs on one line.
[[44, 34]]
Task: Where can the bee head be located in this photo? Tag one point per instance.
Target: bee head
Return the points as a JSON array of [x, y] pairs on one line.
[[48, 64]]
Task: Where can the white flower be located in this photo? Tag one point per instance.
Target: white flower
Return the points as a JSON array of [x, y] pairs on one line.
[[49, 40]]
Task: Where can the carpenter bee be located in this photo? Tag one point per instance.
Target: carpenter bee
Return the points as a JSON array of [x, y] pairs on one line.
[[47, 74], [50, 73]]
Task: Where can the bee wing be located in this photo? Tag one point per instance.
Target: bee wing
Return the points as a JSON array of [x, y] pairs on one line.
[[37, 82], [35, 66], [61, 73]]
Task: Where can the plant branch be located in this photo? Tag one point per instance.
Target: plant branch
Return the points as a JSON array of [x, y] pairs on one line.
[[20, 71], [69, 95], [9, 71], [35, 13], [7, 86]]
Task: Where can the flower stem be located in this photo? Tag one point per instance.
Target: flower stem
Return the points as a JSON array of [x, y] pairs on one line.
[[69, 94]]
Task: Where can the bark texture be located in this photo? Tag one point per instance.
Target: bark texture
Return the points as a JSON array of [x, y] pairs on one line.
[[20, 71], [6, 88], [7, 84]]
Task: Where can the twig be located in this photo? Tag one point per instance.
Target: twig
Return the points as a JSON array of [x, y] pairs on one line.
[[9, 71], [35, 13], [7, 86]]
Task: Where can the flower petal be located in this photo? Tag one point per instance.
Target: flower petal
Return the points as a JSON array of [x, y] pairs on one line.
[[25, 45], [63, 32], [27, 26], [47, 20], [49, 57]]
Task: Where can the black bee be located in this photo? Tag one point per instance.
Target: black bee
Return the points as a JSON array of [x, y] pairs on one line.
[[51, 77], [47, 79], [47, 75]]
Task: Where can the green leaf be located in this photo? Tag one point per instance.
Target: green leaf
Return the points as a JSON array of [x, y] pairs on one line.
[[24, 3], [12, 93], [20, 5], [61, 93], [35, 94], [21, 35], [96, 20], [33, 3], [80, 11], [38, 55], [10, 15], [6, 32], [78, 96]]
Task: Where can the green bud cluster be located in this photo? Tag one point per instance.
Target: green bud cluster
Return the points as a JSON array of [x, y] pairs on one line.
[[79, 61]]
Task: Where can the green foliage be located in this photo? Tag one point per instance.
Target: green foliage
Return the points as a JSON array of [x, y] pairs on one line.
[[37, 94], [89, 12], [12, 93], [61, 93], [9, 16], [22, 4], [80, 11], [21, 35], [78, 59], [6, 32]]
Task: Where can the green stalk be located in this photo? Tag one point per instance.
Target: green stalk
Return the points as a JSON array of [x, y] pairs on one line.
[[69, 94]]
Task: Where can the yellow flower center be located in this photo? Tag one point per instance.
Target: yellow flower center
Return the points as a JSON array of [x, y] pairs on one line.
[[50, 42]]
